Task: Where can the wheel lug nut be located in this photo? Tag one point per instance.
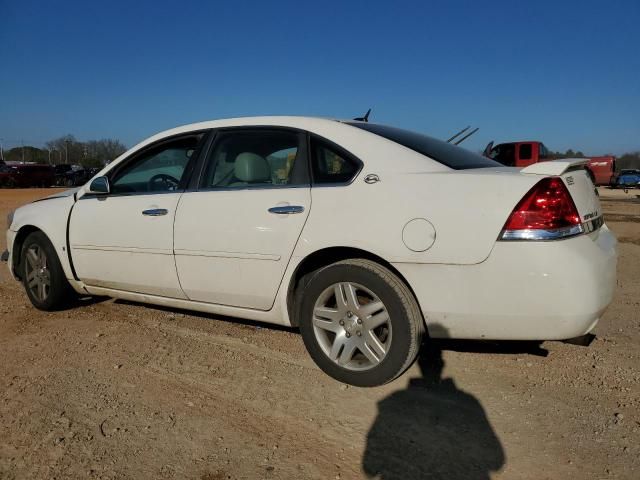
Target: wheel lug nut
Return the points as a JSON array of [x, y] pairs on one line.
[[348, 334], [349, 314], [360, 321], [359, 333], [341, 322]]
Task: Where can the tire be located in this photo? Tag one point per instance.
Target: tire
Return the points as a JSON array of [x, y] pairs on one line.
[[366, 352], [68, 182], [44, 261]]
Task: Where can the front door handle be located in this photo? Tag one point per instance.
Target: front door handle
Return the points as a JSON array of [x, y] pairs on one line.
[[286, 209], [155, 212]]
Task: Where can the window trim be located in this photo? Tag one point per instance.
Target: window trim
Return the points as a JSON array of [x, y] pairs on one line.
[[341, 151], [302, 159], [184, 182]]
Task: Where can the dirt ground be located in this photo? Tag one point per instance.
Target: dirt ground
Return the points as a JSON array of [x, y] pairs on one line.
[[112, 389]]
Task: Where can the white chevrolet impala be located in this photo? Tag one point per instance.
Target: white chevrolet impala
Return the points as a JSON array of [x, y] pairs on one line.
[[366, 237]]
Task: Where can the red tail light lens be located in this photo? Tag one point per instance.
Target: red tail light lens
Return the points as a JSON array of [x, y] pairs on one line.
[[546, 212]]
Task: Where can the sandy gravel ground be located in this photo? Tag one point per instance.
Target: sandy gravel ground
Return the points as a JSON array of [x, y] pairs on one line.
[[118, 390]]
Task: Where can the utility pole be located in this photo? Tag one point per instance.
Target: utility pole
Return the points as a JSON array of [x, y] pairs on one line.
[[1, 152], [22, 143], [66, 151]]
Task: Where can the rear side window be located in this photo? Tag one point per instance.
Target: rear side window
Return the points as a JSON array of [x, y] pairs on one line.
[[330, 164], [255, 159], [453, 157], [525, 151]]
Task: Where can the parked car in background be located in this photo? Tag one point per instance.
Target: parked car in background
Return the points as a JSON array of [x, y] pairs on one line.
[[26, 175], [628, 178], [67, 175], [366, 237], [522, 154]]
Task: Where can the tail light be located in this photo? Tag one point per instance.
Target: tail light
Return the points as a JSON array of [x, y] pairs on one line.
[[547, 212]]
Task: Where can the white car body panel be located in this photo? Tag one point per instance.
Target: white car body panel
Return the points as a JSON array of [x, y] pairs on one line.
[[242, 263], [230, 250], [113, 245], [389, 205], [49, 215], [524, 291]]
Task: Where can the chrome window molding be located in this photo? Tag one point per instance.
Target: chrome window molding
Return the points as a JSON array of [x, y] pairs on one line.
[[89, 195], [238, 188], [554, 234]]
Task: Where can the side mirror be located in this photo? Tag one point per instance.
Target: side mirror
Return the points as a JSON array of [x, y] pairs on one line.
[[100, 186]]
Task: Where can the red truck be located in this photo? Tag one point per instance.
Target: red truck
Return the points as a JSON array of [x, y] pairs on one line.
[[522, 154]]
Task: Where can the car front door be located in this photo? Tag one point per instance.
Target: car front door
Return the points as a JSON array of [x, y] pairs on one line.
[[124, 240], [234, 235]]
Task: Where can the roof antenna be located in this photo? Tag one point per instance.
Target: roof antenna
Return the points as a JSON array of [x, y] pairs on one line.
[[458, 142], [459, 133], [365, 118]]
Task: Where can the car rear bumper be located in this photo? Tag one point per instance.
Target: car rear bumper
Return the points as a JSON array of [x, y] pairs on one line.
[[524, 291]]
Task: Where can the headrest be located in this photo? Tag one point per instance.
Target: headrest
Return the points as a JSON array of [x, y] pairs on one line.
[[252, 168]]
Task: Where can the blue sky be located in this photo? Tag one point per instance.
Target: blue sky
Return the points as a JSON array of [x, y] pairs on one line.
[[566, 73]]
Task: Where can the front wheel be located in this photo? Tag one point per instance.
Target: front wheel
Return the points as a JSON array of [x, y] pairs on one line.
[[360, 323], [42, 275]]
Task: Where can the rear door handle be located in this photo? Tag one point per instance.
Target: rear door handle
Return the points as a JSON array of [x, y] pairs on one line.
[[286, 209], [155, 212]]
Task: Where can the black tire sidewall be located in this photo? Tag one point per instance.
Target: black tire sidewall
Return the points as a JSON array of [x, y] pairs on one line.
[[401, 337], [59, 285]]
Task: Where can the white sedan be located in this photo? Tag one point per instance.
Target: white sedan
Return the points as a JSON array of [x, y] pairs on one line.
[[366, 237]]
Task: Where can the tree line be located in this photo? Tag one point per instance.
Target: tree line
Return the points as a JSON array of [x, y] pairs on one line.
[[67, 149], [97, 153]]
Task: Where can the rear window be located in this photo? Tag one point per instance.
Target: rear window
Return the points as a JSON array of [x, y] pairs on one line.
[[453, 157]]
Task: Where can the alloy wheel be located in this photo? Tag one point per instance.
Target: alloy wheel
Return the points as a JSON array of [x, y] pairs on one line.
[[352, 326], [38, 275]]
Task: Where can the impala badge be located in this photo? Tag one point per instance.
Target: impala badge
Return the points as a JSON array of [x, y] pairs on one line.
[[371, 178]]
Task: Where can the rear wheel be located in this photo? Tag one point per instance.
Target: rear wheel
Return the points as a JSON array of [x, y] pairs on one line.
[[359, 322], [42, 275]]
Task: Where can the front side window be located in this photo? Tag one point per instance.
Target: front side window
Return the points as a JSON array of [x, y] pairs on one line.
[[157, 170], [330, 165], [255, 159]]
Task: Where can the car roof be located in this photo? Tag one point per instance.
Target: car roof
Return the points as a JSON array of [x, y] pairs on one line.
[[380, 153]]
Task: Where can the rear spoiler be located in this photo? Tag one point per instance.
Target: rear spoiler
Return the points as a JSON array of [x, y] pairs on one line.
[[554, 167]]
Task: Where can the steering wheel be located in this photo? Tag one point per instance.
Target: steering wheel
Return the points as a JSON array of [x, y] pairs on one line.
[[168, 182]]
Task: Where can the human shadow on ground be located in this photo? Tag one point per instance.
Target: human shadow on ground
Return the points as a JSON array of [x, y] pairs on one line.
[[431, 430]]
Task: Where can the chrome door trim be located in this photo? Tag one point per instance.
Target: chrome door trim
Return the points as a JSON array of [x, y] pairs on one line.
[[286, 209], [155, 212]]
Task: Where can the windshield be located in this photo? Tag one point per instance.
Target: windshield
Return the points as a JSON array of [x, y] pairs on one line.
[[453, 157]]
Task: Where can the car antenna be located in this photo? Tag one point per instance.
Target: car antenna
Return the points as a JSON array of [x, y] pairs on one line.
[[365, 118], [467, 136], [459, 133]]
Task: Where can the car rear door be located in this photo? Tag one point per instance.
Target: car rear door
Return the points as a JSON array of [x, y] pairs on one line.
[[124, 240], [235, 232]]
